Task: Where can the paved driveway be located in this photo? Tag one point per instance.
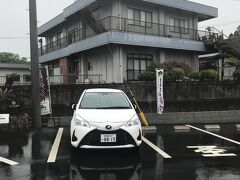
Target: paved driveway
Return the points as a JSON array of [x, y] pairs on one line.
[[167, 153]]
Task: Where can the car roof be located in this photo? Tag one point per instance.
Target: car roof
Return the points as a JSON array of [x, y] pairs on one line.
[[103, 90]]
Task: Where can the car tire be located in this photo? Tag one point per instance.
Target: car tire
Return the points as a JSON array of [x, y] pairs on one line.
[[73, 150], [136, 150]]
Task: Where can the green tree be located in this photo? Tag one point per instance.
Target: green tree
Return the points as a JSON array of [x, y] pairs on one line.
[[236, 33], [7, 57]]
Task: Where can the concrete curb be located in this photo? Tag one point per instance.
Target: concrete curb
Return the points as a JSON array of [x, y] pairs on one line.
[[203, 117]]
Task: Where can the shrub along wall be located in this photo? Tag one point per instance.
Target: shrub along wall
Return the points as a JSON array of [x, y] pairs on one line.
[[179, 96]]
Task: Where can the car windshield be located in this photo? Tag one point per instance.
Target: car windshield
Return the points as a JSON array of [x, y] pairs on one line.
[[104, 100]]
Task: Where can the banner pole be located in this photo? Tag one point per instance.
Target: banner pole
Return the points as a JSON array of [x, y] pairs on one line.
[[49, 92]]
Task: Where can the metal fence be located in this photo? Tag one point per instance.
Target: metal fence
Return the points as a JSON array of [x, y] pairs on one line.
[[119, 24], [60, 79], [76, 79]]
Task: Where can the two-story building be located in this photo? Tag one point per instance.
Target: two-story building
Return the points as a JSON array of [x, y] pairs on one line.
[[115, 40]]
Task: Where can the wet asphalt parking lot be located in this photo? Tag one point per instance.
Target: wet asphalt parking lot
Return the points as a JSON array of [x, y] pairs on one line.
[[167, 153]]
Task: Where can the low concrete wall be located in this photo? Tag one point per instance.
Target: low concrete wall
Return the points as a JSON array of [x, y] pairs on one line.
[[204, 117], [179, 96]]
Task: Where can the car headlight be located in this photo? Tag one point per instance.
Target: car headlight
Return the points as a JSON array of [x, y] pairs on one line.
[[79, 121], [134, 121]]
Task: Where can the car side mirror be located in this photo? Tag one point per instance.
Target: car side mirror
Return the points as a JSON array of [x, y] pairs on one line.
[[74, 107]]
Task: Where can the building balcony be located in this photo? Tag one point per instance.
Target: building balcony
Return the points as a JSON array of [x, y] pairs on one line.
[[130, 26]]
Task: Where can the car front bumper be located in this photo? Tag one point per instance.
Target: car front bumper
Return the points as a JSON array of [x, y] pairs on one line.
[[89, 138]]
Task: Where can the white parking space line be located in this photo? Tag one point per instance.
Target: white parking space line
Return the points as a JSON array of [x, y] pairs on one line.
[[213, 134], [219, 155], [53, 153], [7, 161], [161, 152]]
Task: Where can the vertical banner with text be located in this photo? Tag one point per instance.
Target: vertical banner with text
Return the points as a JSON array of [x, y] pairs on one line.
[[159, 91], [44, 92]]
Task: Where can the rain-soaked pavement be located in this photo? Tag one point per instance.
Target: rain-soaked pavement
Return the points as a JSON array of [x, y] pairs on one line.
[[196, 155]]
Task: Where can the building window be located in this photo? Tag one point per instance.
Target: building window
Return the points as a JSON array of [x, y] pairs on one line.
[[137, 64], [178, 25], [72, 36], [59, 39], [72, 69], [139, 17], [51, 71], [26, 78], [52, 41]]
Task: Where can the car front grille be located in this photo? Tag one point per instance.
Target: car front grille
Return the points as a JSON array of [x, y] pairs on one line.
[[93, 138]]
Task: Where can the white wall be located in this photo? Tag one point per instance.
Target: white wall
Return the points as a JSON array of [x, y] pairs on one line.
[[111, 62], [101, 61]]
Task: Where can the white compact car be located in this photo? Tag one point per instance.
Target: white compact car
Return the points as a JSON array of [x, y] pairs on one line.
[[105, 118]]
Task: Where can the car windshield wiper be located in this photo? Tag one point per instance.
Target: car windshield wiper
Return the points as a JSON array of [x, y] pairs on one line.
[[114, 107]]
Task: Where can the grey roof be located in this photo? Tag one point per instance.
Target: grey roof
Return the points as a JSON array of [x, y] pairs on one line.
[[204, 12], [68, 11], [14, 66]]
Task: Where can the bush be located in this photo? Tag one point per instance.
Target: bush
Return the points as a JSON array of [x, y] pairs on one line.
[[150, 73], [16, 124], [176, 74], [147, 76], [173, 64], [152, 67], [172, 71], [208, 75], [194, 75]]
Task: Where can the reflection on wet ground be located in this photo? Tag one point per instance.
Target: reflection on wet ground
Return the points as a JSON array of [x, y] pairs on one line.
[[106, 165], [31, 151]]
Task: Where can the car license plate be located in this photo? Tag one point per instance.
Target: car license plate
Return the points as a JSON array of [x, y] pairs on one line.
[[108, 138]]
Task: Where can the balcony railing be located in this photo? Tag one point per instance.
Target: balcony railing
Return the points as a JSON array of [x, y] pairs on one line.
[[61, 79], [119, 24], [79, 35], [17, 80], [76, 79]]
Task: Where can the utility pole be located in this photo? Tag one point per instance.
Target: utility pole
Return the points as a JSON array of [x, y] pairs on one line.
[[34, 65]]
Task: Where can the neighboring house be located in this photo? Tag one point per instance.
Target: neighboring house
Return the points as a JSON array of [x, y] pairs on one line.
[[214, 61], [22, 74], [115, 40]]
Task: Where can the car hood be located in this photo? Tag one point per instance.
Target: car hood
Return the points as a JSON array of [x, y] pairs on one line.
[[101, 116]]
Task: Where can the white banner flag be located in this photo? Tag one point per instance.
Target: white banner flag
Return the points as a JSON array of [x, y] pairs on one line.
[[159, 91], [45, 99]]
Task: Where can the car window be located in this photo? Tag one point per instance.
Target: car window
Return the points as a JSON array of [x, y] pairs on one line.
[[104, 100]]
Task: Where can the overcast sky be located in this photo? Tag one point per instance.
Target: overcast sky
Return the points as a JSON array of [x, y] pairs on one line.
[[14, 20]]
